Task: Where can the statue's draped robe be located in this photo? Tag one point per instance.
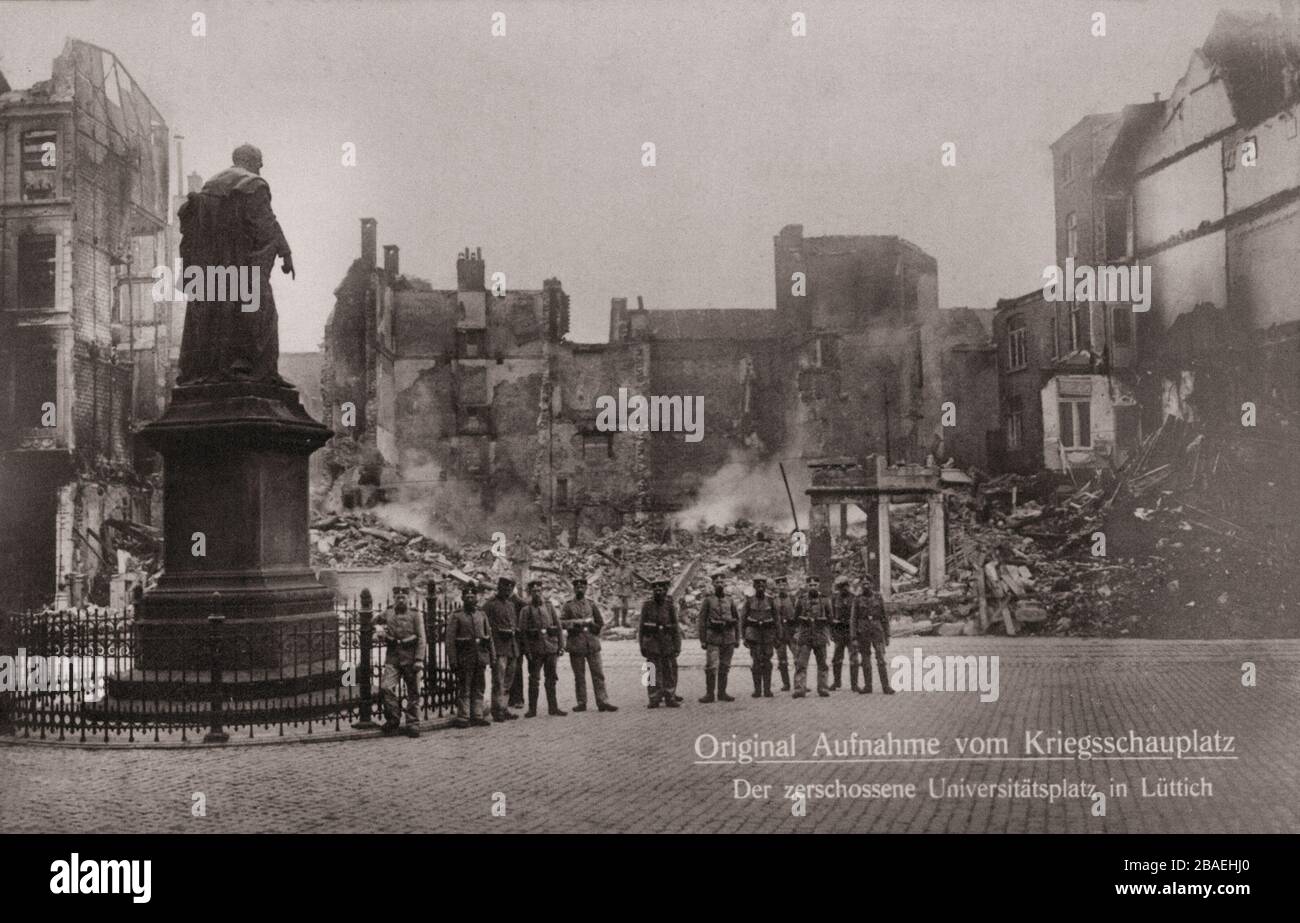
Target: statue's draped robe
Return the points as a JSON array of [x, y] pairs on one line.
[[230, 224]]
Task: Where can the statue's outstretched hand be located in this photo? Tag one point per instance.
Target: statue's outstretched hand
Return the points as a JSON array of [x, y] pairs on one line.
[[286, 267]]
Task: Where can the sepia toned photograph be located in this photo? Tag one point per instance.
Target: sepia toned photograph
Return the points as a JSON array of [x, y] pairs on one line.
[[650, 418]]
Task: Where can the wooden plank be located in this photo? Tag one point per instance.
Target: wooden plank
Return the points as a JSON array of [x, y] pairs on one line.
[[979, 593]]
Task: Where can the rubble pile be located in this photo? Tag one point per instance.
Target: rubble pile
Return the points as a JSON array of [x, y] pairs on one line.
[[1194, 536]]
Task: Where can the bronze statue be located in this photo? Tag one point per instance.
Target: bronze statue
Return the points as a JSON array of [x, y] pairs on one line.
[[229, 241]]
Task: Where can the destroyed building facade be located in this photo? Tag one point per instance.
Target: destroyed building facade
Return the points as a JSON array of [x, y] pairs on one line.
[[83, 351], [480, 393], [1202, 188]]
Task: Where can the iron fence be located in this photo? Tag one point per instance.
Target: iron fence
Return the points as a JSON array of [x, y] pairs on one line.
[[76, 675]]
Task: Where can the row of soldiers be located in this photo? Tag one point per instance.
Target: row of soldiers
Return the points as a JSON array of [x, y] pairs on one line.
[[509, 630], [802, 626]]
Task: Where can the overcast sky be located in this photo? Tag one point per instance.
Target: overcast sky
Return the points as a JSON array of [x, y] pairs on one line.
[[529, 145]]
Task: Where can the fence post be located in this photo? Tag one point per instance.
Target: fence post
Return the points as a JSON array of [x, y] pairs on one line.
[[367, 635], [216, 733]]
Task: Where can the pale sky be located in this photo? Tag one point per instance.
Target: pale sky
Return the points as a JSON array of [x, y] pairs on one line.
[[529, 145]]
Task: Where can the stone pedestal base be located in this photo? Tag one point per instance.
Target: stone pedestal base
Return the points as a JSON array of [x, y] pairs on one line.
[[235, 529]]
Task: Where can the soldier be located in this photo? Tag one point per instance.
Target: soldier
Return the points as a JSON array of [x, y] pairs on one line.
[[871, 633], [543, 639], [503, 618], [521, 557], [719, 635], [469, 651], [760, 626], [660, 635], [403, 628], [812, 614], [843, 605], [516, 697], [582, 621], [786, 646], [623, 587]]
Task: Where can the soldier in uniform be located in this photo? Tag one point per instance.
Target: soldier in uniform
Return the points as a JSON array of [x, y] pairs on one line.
[[502, 616], [623, 587], [843, 605], [786, 646], [719, 635], [871, 634], [516, 698], [583, 622], [812, 615], [469, 651], [760, 627], [543, 639], [403, 628], [660, 636]]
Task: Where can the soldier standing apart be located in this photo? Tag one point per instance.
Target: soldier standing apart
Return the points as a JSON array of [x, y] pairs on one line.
[[623, 587], [760, 626], [719, 635], [843, 605], [812, 614], [403, 628], [469, 651], [871, 634], [661, 641], [583, 622], [501, 615], [543, 640], [786, 646], [521, 557]]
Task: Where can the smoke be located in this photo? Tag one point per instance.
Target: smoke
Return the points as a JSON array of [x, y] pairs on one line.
[[446, 510], [749, 487]]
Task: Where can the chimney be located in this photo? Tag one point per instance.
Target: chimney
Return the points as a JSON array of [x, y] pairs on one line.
[[617, 319], [369, 236], [1155, 97], [470, 273], [390, 262], [640, 305]]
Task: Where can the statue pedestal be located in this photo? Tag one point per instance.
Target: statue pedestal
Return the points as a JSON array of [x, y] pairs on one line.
[[235, 528]]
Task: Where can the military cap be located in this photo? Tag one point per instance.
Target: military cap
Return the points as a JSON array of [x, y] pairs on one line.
[[812, 581], [783, 579], [659, 582], [759, 578], [579, 581], [841, 580], [533, 583], [505, 581], [401, 590]]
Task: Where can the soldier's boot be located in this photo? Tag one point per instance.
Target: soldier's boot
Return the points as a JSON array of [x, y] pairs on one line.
[[884, 684], [853, 678], [866, 680], [553, 705], [785, 677], [710, 678], [767, 680], [722, 687], [532, 705], [756, 671], [839, 675]]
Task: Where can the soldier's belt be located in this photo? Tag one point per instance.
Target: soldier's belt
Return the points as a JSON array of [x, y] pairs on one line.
[[761, 622], [504, 631], [534, 633], [577, 628], [650, 626]]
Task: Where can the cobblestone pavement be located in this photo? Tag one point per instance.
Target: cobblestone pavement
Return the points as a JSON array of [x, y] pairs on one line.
[[639, 770]]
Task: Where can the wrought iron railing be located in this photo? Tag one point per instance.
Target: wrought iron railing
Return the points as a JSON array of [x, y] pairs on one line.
[[74, 675]]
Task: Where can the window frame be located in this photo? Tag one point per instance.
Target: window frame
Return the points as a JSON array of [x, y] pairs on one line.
[[1072, 235], [1077, 432], [24, 169], [1017, 343], [24, 261]]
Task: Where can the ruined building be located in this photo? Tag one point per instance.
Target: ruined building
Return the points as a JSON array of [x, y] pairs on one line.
[[83, 354], [1201, 188], [478, 393]]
